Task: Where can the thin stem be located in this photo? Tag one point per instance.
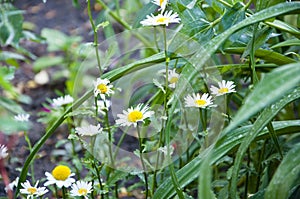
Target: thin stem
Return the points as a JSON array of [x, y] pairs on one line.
[[64, 194], [142, 159], [99, 177], [30, 149], [95, 36], [125, 24], [109, 137], [204, 127]]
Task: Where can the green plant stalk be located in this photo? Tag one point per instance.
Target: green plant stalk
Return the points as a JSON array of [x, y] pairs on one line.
[[117, 7], [109, 138], [252, 57], [64, 194], [95, 36], [99, 177], [142, 159], [155, 38], [275, 139], [51, 130], [30, 149], [202, 116], [124, 24]]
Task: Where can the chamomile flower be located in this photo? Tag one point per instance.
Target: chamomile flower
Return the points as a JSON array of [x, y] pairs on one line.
[[134, 115], [61, 176], [22, 117], [32, 191], [161, 19], [81, 188], [89, 130], [161, 3], [195, 100], [224, 88], [103, 88], [172, 78], [63, 100], [3, 151], [12, 185]]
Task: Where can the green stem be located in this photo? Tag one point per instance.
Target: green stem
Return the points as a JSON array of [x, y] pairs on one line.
[[99, 177], [30, 149], [203, 122], [142, 159], [125, 24], [95, 36], [274, 138], [64, 194], [109, 138]]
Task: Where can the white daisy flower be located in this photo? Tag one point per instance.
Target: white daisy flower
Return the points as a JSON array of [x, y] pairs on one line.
[[161, 3], [102, 87], [134, 115], [164, 150], [11, 185], [196, 100], [32, 191], [89, 130], [81, 188], [224, 88], [22, 117], [173, 78], [103, 105], [161, 19], [3, 151], [61, 176], [60, 101]]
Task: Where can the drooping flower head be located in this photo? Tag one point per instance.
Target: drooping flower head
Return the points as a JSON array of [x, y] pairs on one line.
[[161, 3], [63, 100], [103, 88], [161, 19], [22, 117], [134, 115], [3, 151], [89, 130], [81, 188], [172, 78], [224, 88], [32, 191], [195, 100], [61, 176], [12, 185]]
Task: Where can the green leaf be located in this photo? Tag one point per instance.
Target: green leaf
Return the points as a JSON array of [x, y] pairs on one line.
[[284, 27], [286, 175], [264, 118], [291, 42], [282, 80], [46, 61], [223, 145], [267, 55], [5, 55]]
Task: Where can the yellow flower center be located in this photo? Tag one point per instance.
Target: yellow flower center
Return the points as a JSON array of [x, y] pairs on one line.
[[200, 102], [102, 88], [161, 2], [223, 90], [82, 191], [134, 116], [162, 19], [61, 172], [173, 80], [32, 190]]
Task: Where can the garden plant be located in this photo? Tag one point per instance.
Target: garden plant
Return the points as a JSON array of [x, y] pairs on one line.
[[206, 90]]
